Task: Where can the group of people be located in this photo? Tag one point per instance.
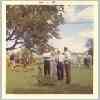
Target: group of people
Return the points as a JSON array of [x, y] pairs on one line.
[[56, 63]]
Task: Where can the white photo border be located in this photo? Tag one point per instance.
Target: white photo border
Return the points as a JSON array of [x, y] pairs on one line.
[[50, 96]]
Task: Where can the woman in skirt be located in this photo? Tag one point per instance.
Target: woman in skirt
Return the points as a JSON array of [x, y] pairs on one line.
[[53, 68]]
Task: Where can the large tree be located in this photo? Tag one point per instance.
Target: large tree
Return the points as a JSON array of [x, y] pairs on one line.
[[32, 26]]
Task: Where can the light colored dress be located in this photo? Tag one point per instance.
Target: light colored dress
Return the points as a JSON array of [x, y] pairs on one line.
[[53, 68]]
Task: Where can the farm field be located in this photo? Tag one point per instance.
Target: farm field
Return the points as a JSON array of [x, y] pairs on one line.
[[26, 82]]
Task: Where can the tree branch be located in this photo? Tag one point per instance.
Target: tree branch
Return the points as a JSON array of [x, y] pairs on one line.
[[10, 36], [14, 45]]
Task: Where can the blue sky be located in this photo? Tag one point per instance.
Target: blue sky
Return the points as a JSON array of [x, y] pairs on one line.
[[78, 27], [74, 29]]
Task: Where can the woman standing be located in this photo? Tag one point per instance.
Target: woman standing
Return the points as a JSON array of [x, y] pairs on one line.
[[53, 71], [46, 57]]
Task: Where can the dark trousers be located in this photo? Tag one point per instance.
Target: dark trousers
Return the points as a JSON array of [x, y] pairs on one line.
[[46, 67], [68, 73], [60, 71]]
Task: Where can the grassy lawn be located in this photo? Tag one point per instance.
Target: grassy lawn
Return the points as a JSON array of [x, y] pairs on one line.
[[26, 82]]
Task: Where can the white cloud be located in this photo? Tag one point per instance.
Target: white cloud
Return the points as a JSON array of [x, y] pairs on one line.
[[72, 16], [87, 14], [87, 33], [75, 45]]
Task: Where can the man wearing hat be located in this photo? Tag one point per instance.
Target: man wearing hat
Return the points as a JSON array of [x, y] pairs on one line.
[[67, 64]]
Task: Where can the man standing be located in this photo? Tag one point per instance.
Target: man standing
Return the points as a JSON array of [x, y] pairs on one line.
[[67, 63], [60, 65]]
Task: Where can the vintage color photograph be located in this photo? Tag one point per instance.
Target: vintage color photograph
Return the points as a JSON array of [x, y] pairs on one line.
[[50, 48]]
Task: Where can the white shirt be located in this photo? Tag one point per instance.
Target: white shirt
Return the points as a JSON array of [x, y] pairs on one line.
[[47, 55], [53, 58], [60, 58], [67, 55]]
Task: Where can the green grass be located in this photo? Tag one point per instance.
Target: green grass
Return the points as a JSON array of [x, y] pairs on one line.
[[26, 82]]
